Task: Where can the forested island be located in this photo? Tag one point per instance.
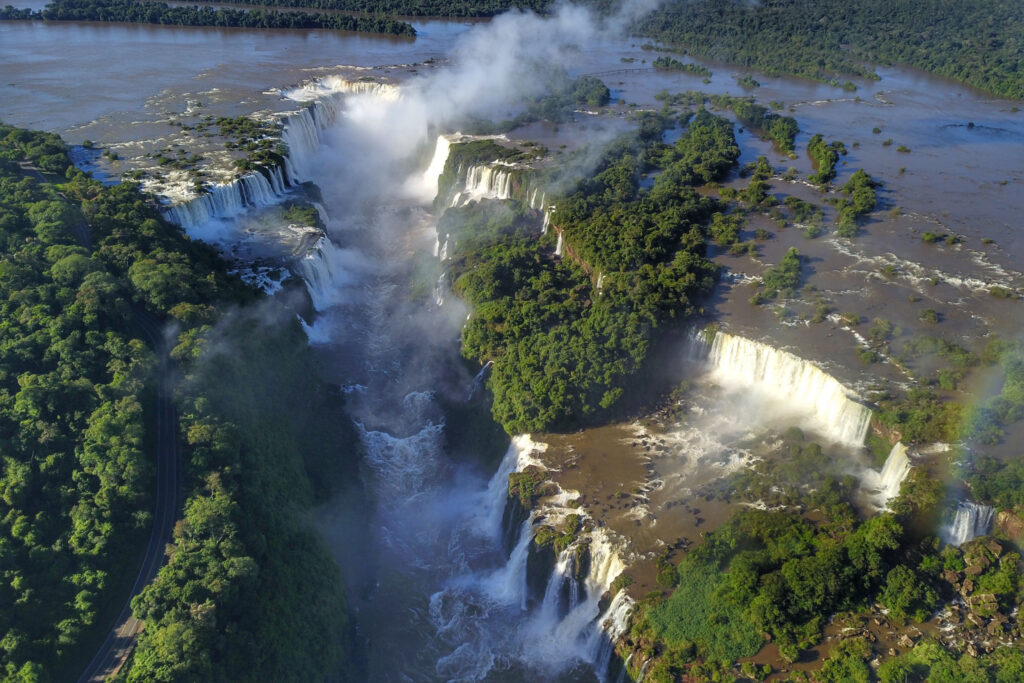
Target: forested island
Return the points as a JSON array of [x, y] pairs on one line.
[[158, 13], [566, 337], [249, 592]]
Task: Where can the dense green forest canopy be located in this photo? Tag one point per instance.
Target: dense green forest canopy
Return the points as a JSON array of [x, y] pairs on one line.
[[410, 8], [567, 334], [159, 13], [75, 379], [777, 575], [980, 42], [249, 594]]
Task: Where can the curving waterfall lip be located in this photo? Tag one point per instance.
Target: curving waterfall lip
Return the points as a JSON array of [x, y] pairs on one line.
[[799, 385]]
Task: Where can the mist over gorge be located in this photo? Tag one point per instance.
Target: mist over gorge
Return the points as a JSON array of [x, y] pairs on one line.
[[618, 369]]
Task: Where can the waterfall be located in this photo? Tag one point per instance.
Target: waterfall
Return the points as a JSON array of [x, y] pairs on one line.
[[436, 166], [325, 269], [560, 246], [535, 195], [301, 132], [970, 520], [316, 334], [583, 631], [441, 290], [553, 606], [484, 182], [478, 381], [224, 200], [886, 483], [443, 252], [610, 627], [796, 385], [508, 584], [547, 223], [519, 455]]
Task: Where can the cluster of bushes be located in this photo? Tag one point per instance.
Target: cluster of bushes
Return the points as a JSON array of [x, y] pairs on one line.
[[782, 130], [824, 156], [923, 415], [779, 576], [670, 64], [782, 279], [859, 200], [775, 573]]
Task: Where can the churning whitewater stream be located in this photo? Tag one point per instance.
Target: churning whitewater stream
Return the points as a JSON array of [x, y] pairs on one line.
[[444, 599]]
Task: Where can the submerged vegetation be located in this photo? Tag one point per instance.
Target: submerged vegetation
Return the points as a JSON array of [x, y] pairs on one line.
[[781, 130]]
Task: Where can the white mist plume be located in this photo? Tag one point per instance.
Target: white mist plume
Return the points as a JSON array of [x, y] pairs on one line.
[[494, 66]]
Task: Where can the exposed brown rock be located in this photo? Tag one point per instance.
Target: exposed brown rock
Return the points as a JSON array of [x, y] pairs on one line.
[[1010, 525], [881, 431]]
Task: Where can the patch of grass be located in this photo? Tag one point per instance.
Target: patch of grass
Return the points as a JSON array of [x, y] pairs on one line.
[[695, 614]]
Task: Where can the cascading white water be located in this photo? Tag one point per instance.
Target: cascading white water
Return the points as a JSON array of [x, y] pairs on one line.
[[538, 199], [442, 254], [484, 182], [225, 200], [970, 520], [560, 246], [326, 270], [438, 535], [478, 381], [435, 168], [520, 454], [508, 584], [797, 386], [886, 484], [324, 99], [547, 223], [301, 132], [584, 632]]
